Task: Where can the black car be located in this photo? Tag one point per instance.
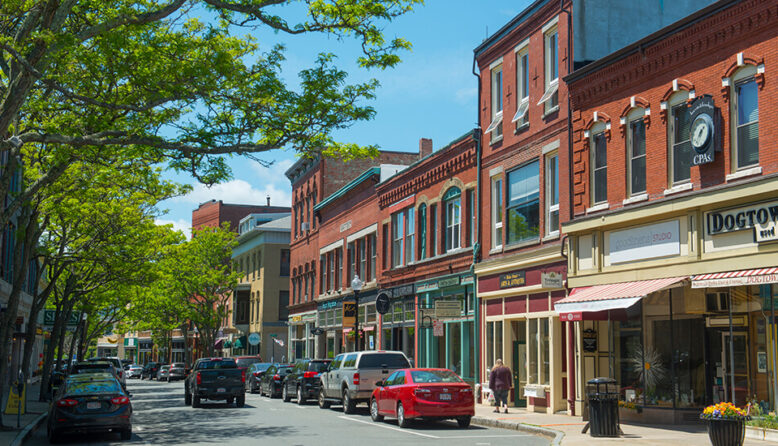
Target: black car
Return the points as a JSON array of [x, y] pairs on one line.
[[273, 380], [90, 402], [254, 375], [150, 370], [303, 381]]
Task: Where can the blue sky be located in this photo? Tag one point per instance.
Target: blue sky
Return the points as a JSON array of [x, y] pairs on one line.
[[431, 94]]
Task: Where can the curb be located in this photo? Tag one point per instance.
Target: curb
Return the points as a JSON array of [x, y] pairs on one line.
[[27, 431], [554, 435]]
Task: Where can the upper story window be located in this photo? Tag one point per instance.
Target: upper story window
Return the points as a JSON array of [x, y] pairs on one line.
[[398, 230], [745, 132], [422, 231], [284, 262], [371, 240], [471, 235], [322, 273], [552, 193], [362, 253], [521, 118], [550, 98], [331, 271], [410, 235], [636, 152], [452, 203], [599, 163], [433, 230], [351, 259], [495, 126], [524, 203], [497, 212], [679, 143]]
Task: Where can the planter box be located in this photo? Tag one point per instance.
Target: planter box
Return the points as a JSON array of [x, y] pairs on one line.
[[726, 432], [762, 433]]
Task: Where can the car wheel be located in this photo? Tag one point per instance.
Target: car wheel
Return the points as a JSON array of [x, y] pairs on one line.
[[273, 391], [401, 420], [195, 402], [374, 415], [252, 388], [348, 404], [285, 393], [464, 421], [240, 401], [126, 434], [323, 403], [168, 379], [300, 397], [187, 398]]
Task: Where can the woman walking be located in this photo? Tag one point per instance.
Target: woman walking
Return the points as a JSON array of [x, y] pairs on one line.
[[501, 382]]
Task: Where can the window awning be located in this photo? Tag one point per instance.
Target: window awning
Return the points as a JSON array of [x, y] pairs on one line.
[[608, 297], [218, 344], [759, 276], [495, 122], [553, 86]]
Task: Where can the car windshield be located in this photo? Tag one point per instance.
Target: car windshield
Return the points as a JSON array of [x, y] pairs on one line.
[[223, 364], [261, 366], [89, 387], [318, 366], [435, 376], [165, 367], [92, 368], [246, 362], [383, 360]]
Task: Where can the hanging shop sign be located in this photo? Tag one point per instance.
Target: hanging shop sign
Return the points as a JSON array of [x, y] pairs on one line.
[[551, 279], [448, 308], [511, 280], [382, 303], [761, 217], [589, 339], [448, 282], [702, 131], [254, 339], [645, 242], [349, 314]]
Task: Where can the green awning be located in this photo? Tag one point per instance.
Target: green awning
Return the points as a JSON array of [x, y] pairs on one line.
[[227, 344], [238, 343]]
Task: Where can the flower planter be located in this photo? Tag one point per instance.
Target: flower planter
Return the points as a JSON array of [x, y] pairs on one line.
[[726, 432]]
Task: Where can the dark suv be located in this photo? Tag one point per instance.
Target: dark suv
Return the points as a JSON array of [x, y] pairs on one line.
[[150, 370], [303, 381]]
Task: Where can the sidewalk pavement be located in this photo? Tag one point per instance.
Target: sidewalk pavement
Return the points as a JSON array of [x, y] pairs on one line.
[[36, 413], [565, 430]]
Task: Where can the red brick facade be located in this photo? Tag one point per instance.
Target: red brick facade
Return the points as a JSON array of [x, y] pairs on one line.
[[214, 213]]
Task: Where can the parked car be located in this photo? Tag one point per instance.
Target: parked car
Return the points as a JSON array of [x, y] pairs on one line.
[[117, 364], [177, 371], [215, 379], [244, 362], [162, 373], [434, 394], [88, 403], [150, 370], [134, 371], [95, 367], [351, 377], [303, 381], [273, 379], [254, 375]]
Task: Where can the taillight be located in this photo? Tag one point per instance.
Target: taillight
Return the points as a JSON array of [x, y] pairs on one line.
[[356, 379], [120, 373], [310, 374], [199, 379], [276, 378], [243, 375], [67, 402], [466, 390], [120, 400]]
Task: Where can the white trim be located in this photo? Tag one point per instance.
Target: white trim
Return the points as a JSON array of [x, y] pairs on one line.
[[636, 199], [596, 305], [496, 171], [740, 59], [363, 232], [725, 82], [632, 101], [495, 64], [552, 88], [520, 114], [550, 24], [521, 46], [495, 122], [586, 133], [623, 120], [675, 84], [647, 111], [550, 147], [692, 94], [760, 69], [683, 187], [744, 173], [551, 236], [598, 208], [663, 105], [331, 247], [595, 115]]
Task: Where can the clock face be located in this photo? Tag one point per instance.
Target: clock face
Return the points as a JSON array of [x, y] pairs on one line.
[[701, 131]]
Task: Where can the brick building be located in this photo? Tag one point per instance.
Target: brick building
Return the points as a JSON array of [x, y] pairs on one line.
[[214, 213], [313, 180], [672, 259]]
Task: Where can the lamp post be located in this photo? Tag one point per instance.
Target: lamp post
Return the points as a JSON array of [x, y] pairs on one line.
[[356, 285]]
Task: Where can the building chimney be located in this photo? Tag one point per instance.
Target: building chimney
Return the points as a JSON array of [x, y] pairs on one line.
[[268, 200], [425, 147]]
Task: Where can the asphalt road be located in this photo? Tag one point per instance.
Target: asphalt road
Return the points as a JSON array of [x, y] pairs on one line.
[[161, 418]]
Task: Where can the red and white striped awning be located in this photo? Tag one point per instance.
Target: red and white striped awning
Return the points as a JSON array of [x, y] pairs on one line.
[[609, 297], [758, 276]]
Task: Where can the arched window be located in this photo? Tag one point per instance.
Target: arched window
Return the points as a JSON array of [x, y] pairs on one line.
[[598, 149], [745, 119], [452, 205]]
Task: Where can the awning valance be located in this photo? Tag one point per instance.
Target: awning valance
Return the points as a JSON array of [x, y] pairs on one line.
[[609, 297], [759, 276], [218, 344]]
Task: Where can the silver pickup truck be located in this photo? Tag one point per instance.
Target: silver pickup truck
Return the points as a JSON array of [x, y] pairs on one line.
[[351, 377]]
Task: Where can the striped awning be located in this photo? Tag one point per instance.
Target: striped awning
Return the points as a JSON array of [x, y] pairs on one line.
[[612, 296], [757, 276]]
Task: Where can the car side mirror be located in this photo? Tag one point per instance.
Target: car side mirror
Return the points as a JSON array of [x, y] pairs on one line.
[[379, 383]]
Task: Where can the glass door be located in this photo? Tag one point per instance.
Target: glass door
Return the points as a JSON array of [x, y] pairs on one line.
[[519, 362], [740, 371]]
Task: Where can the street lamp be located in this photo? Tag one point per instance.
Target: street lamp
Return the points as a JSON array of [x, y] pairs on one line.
[[356, 285]]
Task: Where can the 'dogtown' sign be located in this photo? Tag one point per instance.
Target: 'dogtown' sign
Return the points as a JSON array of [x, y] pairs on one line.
[[738, 219]]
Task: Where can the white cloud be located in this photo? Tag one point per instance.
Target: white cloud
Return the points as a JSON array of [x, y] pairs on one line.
[[242, 192], [182, 225]]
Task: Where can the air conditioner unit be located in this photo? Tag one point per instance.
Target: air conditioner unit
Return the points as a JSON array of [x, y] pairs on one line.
[[305, 226]]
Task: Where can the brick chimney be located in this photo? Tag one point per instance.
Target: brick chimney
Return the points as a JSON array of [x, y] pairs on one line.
[[425, 147]]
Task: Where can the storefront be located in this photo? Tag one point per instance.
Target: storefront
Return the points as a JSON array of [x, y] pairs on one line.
[[145, 350], [446, 328], [131, 349], [329, 341], [301, 335], [398, 324]]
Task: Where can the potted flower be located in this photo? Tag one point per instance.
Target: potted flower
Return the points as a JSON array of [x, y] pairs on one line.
[[726, 424]]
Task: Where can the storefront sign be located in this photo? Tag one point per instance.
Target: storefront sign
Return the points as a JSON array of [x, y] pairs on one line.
[[468, 280], [765, 233], [448, 308], [345, 226], [328, 305], [254, 339], [404, 290], [49, 316], [426, 287], [514, 279], [349, 314], [736, 281], [449, 281], [437, 328], [589, 339], [551, 280], [764, 214], [297, 318], [645, 242], [702, 131]]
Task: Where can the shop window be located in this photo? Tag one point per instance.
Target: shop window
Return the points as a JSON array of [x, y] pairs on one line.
[[552, 194], [636, 152], [422, 232], [679, 144], [599, 163], [452, 203], [497, 212], [746, 116], [523, 203], [538, 369], [495, 126]]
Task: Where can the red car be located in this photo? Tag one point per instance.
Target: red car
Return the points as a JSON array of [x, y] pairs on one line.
[[434, 394]]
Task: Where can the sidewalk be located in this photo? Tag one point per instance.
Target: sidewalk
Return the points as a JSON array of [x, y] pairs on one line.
[[35, 414], [565, 430]]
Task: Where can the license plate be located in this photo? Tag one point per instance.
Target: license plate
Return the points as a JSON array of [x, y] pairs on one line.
[[445, 396], [94, 405], [221, 390]]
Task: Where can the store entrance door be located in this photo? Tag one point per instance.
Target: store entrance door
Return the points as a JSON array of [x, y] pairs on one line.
[[740, 371], [519, 361]]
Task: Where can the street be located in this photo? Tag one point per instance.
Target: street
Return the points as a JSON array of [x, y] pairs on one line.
[[160, 418]]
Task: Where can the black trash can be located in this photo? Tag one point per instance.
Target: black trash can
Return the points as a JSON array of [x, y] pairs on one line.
[[603, 396]]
